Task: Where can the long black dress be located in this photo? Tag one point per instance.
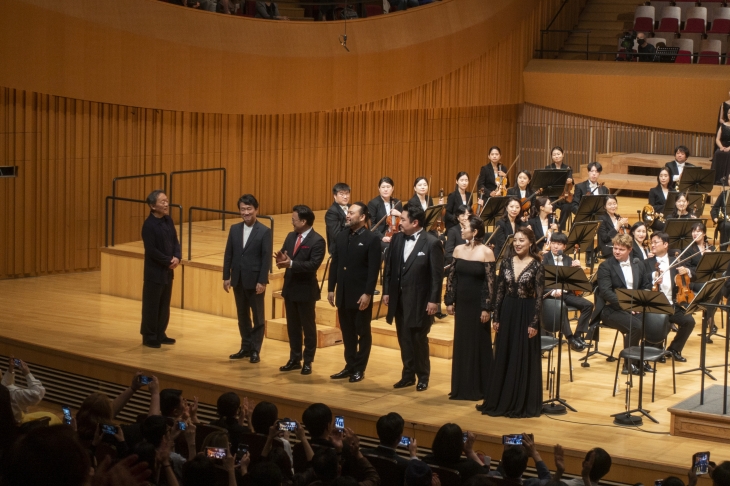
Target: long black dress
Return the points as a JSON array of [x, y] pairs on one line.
[[470, 287], [515, 384], [721, 160]]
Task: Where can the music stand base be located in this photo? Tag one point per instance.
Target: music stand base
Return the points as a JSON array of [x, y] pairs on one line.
[[556, 406], [627, 419], [706, 371]]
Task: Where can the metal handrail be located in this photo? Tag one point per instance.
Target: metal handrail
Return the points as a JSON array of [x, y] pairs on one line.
[[212, 169], [568, 31], [555, 17], [126, 199], [218, 211], [630, 53], [139, 176]]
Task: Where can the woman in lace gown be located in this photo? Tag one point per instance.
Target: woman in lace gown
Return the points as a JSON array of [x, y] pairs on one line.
[[515, 384], [469, 294]]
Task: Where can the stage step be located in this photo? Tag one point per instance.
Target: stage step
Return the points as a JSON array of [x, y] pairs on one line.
[[440, 339], [326, 335]]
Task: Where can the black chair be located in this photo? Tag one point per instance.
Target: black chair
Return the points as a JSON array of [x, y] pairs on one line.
[[448, 477], [656, 329], [391, 473], [593, 335], [552, 320]]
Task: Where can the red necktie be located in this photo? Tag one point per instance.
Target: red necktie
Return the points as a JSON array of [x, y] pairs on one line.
[[296, 245]]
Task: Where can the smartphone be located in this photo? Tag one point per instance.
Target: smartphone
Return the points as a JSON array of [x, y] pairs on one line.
[[16, 362], [465, 437], [109, 429], [182, 425], [339, 422], [658, 482], [145, 380], [215, 452], [66, 415], [242, 451], [512, 439], [289, 425], [701, 462], [405, 441]]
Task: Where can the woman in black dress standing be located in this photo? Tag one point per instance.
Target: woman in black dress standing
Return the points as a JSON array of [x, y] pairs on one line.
[[658, 197], [721, 159], [515, 384], [469, 294]]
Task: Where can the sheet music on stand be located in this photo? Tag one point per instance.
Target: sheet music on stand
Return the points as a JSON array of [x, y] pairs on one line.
[[432, 215]]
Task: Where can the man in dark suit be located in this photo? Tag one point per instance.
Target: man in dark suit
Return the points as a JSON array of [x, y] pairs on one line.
[[301, 255], [685, 323], [676, 166], [414, 272], [390, 433], [246, 266], [162, 254], [354, 273], [334, 218], [591, 187], [619, 272]]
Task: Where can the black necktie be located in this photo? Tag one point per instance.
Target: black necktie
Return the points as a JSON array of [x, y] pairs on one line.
[[411, 238]]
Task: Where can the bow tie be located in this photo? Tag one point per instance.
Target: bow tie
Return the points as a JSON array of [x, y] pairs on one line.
[[411, 238], [626, 264]]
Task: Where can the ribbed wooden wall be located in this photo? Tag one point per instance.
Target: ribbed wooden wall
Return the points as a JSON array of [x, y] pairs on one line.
[[582, 138]]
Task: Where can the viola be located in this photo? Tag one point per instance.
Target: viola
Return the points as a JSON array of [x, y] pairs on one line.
[[684, 293], [624, 228], [393, 226]]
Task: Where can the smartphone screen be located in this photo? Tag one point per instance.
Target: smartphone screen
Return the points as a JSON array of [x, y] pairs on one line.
[[182, 425], [405, 441], [658, 482], [16, 362], [145, 380], [287, 425], [339, 422], [109, 429], [512, 439], [66, 415], [701, 461], [242, 450], [215, 452], [465, 437]]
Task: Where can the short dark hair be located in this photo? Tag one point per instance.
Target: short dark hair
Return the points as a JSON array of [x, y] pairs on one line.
[[152, 197], [683, 149], [672, 481], [661, 235], [340, 187], [304, 213], [597, 166], [248, 200], [635, 226], [169, 401], [610, 197], [146, 452], [415, 213], [264, 473], [363, 209], [228, 405], [663, 169], [699, 225], [559, 238], [280, 457], [462, 209], [198, 471], [477, 225], [514, 462], [390, 429], [557, 147], [601, 464], [154, 429], [448, 444], [325, 464], [316, 418], [494, 147], [461, 174], [264, 415], [387, 180]]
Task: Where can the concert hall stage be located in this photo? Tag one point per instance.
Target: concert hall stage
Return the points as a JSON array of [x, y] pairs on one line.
[[71, 323]]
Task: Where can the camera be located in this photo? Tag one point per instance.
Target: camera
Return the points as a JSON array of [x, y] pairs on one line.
[[182, 425], [16, 362], [626, 42]]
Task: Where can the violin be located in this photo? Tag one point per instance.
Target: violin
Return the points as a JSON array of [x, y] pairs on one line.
[[568, 192], [501, 186], [684, 293], [655, 286], [477, 207], [526, 202], [393, 223], [624, 228], [439, 226]]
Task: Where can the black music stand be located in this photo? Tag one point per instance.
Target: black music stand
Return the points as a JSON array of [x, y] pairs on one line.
[[696, 179], [590, 208], [503, 251], [666, 54], [562, 278], [696, 198], [680, 231], [702, 301], [670, 205], [492, 209], [433, 213], [648, 301], [551, 181], [582, 234]]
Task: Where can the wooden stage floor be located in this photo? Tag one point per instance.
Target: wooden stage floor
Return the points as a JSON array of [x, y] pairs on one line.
[[65, 322]]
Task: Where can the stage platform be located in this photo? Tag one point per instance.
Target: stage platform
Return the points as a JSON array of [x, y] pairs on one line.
[[65, 322]]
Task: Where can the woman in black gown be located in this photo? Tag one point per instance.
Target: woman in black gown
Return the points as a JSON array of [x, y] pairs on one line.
[[469, 294], [721, 159], [515, 384]]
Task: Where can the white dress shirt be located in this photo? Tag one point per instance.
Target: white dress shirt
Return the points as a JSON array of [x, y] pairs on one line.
[[22, 398], [680, 169], [246, 233], [592, 186], [666, 285], [628, 274], [408, 247]]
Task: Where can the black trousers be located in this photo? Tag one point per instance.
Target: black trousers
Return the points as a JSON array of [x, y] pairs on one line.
[[356, 336], [585, 307], [300, 319], [565, 213], [155, 310], [685, 324], [413, 342], [624, 322], [249, 303]]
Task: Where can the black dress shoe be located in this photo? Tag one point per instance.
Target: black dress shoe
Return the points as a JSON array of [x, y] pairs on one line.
[[152, 344], [404, 383], [240, 355], [422, 386], [255, 358], [356, 376], [648, 368], [342, 374], [291, 365], [376, 292], [634, 370], [307, 369], [580, 340], [167, 340], [440, 315], [481, 406], [575, 344], [677, 356]]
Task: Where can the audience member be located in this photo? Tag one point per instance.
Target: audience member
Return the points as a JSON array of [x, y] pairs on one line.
[[646, 51], [447, 448], [327, 470], [264, 416], [157, 431], [229, 7], [721, 474], [231, 416], [418, 473], [390, 433], [596, 465], [514, 463], [264, 474], [402, 4], [268, 10], [223, 471], [22, 398], [9, 430], [317, 418]]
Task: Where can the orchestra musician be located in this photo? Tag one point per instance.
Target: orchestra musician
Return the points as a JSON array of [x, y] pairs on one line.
[[383, 204], [591, 187], [556, 256], [642, 243], [523, 188], [680, 207], [542, 222], [676, 166], [335, 217], [658, 197], [557, 155], [698, 248], [666, 284], [507, 224], [453, 236], [611, 223], [490, 172], [718, 213], [460, 197], [420, 194]]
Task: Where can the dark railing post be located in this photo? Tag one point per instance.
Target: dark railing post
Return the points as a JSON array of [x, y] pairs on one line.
[[114, 192], [126, 199], [588, 39], [192, 171]]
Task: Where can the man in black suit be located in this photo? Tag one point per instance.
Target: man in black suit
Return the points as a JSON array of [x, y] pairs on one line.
[[335, 216], [676, 166], [414, 272], [390, 433], [301, 255], [162, 254], [246, 266], [685, 323], [619, 272], [354, 274], [591, 187]]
